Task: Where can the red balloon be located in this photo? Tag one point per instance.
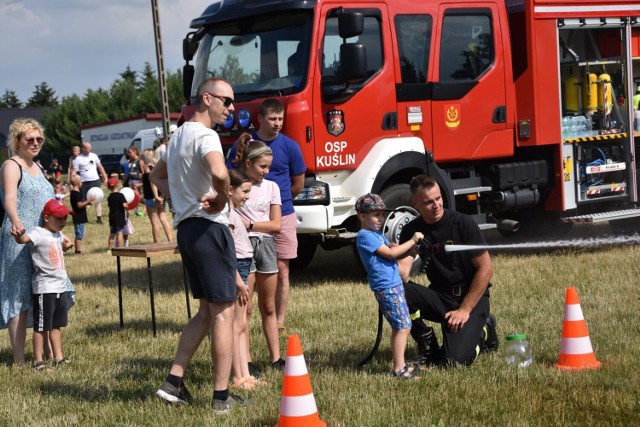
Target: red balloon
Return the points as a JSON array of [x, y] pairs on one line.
[[135, 201]]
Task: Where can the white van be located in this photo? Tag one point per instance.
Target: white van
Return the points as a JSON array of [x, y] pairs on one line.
[[147, 139]]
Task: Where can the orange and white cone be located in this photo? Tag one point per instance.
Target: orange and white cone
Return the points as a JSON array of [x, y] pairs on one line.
[[298, 406], [576, 352]]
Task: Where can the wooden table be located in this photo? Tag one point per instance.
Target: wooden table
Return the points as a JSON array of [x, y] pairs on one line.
[[148, 251]]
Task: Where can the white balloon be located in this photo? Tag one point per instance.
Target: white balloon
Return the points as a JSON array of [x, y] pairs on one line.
[[128, 194], [96, 191]]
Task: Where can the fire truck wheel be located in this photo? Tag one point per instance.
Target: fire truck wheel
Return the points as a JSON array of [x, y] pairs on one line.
[[396, 195], [307, 246]]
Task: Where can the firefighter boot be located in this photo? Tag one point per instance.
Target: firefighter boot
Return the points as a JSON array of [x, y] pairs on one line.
[[490, 335], [428, 349]]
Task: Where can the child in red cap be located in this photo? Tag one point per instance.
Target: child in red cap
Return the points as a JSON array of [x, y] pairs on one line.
[[118, 235], [50, 283], [79, 207], [118, 207]]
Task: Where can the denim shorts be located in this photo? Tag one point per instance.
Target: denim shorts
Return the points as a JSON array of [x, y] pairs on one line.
[[79, 231], [394, 306], [244, 266], [151, 203]]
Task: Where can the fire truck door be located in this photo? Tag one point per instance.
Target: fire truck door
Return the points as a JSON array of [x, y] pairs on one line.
[[350, 121], [469, 111]]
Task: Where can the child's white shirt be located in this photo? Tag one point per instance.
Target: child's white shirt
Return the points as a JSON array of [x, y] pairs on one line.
[[50, 276]]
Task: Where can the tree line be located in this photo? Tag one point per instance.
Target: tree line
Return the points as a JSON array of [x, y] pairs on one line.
[[131, 94]]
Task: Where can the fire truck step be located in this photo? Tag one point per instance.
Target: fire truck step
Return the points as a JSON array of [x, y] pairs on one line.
[[604, 216], [470, 190]]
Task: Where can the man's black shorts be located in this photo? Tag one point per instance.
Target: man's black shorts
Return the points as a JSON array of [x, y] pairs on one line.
[[88, 185], [209, 257]]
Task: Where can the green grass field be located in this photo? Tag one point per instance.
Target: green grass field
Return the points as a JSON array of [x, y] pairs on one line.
[[115, 372]]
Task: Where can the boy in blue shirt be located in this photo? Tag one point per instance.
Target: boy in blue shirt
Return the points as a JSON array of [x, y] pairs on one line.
[[379, 259]]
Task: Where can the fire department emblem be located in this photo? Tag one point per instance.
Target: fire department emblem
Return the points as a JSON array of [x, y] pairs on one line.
[[335, 122], [452, 115]]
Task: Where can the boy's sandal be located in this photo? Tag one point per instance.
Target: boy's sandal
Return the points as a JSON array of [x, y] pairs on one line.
[[407, 373], [243, 384]]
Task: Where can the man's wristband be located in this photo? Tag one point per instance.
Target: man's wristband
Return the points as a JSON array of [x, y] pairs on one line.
[[250, 225]]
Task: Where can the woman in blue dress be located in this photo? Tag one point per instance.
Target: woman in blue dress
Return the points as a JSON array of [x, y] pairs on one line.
[[24, 190]]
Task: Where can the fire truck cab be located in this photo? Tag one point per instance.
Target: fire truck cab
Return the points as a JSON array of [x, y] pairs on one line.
[[522, 109]]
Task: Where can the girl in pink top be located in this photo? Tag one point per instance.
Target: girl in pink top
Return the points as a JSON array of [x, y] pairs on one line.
[[262, 216], [238, 194]]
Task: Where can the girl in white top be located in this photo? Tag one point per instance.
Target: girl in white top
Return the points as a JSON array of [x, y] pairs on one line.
[[262, 216]]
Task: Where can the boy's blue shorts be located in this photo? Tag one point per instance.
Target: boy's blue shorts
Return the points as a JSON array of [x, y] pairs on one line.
[[394, 306]]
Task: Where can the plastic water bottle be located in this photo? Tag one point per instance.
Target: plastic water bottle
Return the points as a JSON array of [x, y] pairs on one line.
[[517, 351], [567, 128], [581, 126]]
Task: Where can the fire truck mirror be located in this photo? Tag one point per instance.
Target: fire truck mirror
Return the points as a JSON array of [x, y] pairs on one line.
[[353, 60], [189, 46], [350, 24]]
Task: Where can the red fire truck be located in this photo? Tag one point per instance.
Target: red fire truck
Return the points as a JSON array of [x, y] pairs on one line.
[[523, 110]]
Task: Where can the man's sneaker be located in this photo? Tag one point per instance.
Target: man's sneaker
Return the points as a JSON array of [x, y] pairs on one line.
[[278, 364], [221, 407], [175, 395], [254, 371], [491, 342]]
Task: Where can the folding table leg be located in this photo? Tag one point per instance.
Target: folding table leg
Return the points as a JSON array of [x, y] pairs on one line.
[[120, 293], [153, 304]]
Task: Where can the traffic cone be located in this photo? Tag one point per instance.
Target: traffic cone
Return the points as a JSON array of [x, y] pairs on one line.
[[298, 406], [576, 352]]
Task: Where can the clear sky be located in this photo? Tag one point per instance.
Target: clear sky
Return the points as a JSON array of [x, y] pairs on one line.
[[75, 45]]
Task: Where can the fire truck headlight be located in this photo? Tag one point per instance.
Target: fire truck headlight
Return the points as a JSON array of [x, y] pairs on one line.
[[313, 193], [244, 118], [228, 124]]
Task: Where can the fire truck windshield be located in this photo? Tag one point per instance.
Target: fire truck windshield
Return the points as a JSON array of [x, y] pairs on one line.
[[269, 57]]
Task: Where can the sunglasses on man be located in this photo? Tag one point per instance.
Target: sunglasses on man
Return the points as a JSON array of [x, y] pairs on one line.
[[226, 101]]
